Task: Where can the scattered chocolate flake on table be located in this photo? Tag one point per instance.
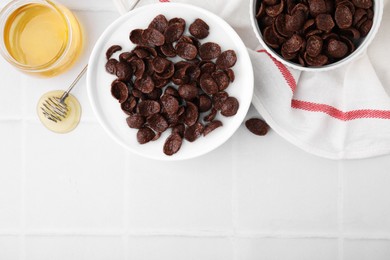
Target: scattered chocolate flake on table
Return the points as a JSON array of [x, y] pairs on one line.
[[184, 94], [257, 126]]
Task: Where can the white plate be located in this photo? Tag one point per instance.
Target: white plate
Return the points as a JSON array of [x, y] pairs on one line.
[[108, 110]]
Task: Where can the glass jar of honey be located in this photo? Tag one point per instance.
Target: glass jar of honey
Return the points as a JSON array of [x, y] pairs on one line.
[[39, 37]]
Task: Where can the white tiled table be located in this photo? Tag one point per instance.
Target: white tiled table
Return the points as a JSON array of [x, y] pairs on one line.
[[252, 198]]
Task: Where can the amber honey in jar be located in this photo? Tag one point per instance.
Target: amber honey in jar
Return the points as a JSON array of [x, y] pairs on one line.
[[39, 37]]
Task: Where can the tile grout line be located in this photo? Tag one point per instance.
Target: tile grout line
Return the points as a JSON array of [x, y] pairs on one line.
[[234, 198], [340, 209], [23, 179], [126, 205]]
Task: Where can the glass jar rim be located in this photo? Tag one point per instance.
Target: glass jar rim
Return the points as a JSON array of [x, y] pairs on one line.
[[12, 7]]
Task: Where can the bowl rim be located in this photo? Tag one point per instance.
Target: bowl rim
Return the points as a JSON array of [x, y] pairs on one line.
[[94, 103], [378, 13]]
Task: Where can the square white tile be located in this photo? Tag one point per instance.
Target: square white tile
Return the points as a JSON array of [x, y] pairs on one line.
[[9, 248], [281, 188], [10, 174], [286, 249], [179, 248], [94, 23], [10, 92], [186, 195], [366, 198], [74, 248], [74, 181], [366, 249]]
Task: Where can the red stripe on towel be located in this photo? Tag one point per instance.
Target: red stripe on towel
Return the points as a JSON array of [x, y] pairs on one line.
[[324, 108]]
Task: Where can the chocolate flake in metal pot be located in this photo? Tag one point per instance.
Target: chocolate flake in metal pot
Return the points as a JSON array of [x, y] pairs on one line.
[[317, 7], [261, 10], [230, 107], [111, 66], [135, 121], [193, 132], [337, 49], [209, 51], [188, 91], [208, 84], [360, 23], [186, 51], [309, 25], [270, 37], [324, 22], [275, 10], [221, 79], [153, 37], [160, 23], [365, 28], [112, 50], [199, 29], [314, 45], [136, 36], [343, 16], [230, 74], [129, 105], [211, 127], [172, 144], [160, 64], [287, 55], [119, 91], [350, 44], [204, 103], [157, 122], [144, 84], [145, 135], [366, 4], [296, 21], [257, 126], [169, 103], [211, 116], [226, 60], [191, 114], [123, 71], [271, 2], [174, 32], [148, 107], [317, 61], [359, 14], [294, 44], [280, 26]]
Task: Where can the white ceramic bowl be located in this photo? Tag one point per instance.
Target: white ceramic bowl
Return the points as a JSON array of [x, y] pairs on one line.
[[108, 110], [378, 12]]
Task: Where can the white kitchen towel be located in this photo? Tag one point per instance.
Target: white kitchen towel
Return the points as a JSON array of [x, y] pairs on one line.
[[338, 114]]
